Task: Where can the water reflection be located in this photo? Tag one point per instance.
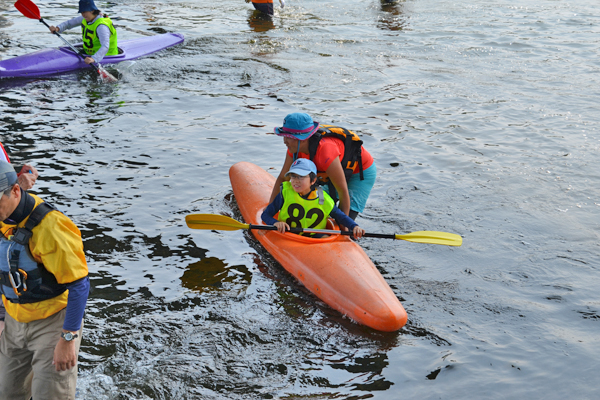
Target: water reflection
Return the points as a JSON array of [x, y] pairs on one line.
[[213, 273], [392, 16], [260, 22]]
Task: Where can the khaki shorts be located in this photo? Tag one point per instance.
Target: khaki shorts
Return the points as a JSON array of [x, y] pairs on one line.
[[26, 355]]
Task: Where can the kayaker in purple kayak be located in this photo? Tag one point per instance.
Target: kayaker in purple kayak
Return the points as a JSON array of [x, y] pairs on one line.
[[99, 36], [301, 204]]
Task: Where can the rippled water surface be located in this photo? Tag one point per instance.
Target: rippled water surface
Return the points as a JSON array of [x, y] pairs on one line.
[[483, 120]]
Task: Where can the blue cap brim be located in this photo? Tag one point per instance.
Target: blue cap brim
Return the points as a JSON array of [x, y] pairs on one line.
[[299, 136]]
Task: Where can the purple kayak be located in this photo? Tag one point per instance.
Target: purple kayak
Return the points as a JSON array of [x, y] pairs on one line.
[[63, 59]]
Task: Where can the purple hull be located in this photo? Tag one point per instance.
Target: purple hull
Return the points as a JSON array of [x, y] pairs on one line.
[[63, 59]]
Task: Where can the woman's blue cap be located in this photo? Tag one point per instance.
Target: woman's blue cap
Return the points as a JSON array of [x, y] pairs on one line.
[[87, 5], [298, 126]]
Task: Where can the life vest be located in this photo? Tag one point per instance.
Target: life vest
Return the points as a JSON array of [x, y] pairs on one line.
[[299, 212], [352, 149], [91, 43], [22, 279]]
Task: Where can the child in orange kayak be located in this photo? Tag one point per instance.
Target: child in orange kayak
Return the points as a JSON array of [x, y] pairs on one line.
[[303, 205]]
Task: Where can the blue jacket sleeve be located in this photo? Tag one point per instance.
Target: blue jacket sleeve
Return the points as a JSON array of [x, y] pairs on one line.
[[78, 295], [342, 218], [271, 210]]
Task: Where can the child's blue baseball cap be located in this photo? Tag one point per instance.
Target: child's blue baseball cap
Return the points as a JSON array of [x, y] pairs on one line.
[[297, 126], [302, 167], [87, 5]]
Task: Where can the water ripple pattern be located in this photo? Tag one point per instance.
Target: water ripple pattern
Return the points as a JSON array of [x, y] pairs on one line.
[[482, 118]]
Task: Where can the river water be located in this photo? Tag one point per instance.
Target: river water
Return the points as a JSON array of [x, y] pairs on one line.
[[483, 121]]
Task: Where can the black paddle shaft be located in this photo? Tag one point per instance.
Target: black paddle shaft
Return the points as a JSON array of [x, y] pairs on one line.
[[63, 39], [324, 231]]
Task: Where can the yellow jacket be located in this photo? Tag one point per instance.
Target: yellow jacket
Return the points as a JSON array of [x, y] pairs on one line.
[[56, 243]]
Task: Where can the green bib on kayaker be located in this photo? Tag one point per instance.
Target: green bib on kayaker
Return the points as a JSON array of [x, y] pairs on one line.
[[299, 212], [91, 43]]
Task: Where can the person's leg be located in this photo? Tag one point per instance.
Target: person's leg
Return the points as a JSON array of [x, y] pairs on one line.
[[360, 190], [47, 381], [266, 8], [15, 361]]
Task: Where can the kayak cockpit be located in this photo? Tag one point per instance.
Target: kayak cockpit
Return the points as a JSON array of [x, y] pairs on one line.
[[322, 238], [106, 60]]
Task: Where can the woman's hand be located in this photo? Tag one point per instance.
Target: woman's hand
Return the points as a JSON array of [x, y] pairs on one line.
[[54, 29], [282, 226], [89, 60]]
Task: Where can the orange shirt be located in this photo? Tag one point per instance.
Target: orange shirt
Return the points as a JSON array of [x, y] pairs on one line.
[[330, 148]]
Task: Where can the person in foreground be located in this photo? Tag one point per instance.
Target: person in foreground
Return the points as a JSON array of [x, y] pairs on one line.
[[98, 33], [303, 205], [265, 6], [26, 179], [342, 162], [45, 286]]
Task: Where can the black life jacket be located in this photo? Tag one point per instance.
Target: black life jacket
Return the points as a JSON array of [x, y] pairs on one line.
[[352, 153], [352, 148], [22, 279]]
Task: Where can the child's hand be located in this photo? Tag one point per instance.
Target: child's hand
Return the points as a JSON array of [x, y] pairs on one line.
[[358, 232], [282, 226]]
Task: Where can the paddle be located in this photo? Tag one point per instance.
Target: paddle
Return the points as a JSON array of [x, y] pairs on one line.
[[30, 10], [221, 222]]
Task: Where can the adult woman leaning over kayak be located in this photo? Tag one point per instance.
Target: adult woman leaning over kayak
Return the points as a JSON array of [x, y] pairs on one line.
[[342, 162], [99, 36]]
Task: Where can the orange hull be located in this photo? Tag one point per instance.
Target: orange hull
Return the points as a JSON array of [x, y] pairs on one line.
[[335, 269]]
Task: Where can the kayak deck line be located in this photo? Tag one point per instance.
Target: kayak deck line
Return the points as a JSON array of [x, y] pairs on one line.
[[334, 268]]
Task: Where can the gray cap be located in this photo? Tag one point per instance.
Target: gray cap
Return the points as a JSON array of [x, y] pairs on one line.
[[8, 176]]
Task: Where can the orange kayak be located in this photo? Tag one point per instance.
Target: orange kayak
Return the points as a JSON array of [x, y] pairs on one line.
[[335, 268]]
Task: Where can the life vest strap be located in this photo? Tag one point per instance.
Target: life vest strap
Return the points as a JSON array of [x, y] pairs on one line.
[[22, 235]]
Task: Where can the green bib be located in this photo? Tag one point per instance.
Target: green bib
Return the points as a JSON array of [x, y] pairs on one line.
[[299, 212], [91, 43]]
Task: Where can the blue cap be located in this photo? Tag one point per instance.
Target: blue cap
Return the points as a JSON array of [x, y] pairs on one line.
[[297, 126], [87, 5], [302, 167], [8, 176]]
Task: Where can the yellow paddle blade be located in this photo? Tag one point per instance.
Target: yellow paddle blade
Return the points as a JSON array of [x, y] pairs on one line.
[[432, 237], [213, 222]]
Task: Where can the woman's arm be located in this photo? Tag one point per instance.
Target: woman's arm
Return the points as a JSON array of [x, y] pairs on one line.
[[286, 167], [335, 172]]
